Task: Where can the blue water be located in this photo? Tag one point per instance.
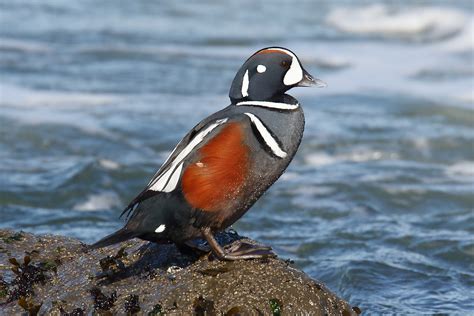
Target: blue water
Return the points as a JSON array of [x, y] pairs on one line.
[[378, 203]]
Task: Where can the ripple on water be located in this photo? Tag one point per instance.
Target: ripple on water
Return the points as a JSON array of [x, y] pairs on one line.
[[378, 202]]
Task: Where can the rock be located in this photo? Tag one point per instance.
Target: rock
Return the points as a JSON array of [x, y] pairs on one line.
[[55, 275]]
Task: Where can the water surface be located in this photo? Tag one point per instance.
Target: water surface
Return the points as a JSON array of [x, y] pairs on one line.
[[378, 203]]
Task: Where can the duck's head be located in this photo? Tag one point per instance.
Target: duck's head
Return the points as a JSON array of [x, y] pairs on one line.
[[268, 74]]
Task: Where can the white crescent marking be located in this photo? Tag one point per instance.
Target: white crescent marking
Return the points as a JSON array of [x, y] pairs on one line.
[[267, 137]]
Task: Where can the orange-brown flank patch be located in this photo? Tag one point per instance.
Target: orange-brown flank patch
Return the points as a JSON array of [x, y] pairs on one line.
[[220, 172]]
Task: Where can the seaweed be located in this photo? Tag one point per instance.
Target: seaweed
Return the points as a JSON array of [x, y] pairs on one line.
[[357, 310], [289, 262], [12, 238], [112, 265], [275, 306], [29, 306], [3, 287], [50, 265], [103, 302], [75, 312], [203, 307], [132, 304], [234, 311], [27, 275], [156, 311]]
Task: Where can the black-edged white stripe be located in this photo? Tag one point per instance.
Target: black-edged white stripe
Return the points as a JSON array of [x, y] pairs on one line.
[[155, 176], [245, 84], [169, 178], [267, 137], [271, 105]]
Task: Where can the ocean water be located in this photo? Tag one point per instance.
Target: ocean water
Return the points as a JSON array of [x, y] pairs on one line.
[[378, 203]]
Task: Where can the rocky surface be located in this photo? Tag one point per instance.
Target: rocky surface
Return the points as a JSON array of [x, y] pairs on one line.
[[55, 275]]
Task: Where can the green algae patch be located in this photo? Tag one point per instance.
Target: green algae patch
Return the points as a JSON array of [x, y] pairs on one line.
[[275, 307]]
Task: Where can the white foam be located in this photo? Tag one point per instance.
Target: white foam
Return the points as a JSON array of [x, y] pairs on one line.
[[467, 97], [395, 73], [21, 45], [100, 201], [288, 176], [360, 155], [464, 41], [320, 159], [461, 169], [19, 96], [383, 20], [109, 164]]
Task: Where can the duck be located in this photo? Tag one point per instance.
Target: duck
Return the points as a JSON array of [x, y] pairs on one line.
[[225, 163]]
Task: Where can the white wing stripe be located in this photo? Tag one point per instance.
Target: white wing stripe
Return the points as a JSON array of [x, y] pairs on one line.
[[162, 180], [273, 105], [173, 182], [267, 137], [155, 177], [171, 176]]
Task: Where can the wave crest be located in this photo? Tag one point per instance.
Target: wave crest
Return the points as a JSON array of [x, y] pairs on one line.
[[425, 23]]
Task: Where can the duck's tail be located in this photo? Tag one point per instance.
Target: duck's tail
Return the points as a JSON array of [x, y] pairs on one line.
[[119, 236]]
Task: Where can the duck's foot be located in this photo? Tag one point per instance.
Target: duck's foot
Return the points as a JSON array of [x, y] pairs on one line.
[[239, 250], [198, 247]]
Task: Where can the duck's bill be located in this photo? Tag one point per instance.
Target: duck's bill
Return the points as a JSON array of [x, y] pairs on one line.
[[310, 81]]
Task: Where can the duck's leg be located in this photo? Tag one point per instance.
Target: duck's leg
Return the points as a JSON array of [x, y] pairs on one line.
[[239, 251]]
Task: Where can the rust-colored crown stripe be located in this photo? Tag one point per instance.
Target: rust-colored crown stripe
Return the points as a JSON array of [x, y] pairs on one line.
[[270, 51], [218, 176]]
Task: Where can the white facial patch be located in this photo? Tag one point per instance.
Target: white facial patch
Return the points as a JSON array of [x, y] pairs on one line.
[[261, 69], [245, 84], [160, 228], [295, 73]]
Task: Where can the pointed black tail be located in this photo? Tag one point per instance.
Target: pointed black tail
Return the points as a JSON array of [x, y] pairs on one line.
[[119, 236]]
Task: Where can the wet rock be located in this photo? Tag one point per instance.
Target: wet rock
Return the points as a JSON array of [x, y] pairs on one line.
[[55, 275]]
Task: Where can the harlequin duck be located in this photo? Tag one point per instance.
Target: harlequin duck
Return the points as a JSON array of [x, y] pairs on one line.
[[226, 162]]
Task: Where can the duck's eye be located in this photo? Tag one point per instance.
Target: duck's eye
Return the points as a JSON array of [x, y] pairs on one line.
[[285, 64]]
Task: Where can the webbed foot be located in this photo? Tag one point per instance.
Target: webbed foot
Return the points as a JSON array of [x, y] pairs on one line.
[[239, 250]]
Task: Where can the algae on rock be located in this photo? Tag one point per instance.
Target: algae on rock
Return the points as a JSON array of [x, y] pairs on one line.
[[55, 275]]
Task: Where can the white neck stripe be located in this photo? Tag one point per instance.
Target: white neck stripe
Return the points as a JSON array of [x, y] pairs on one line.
[[272, 105], [267, 136]]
